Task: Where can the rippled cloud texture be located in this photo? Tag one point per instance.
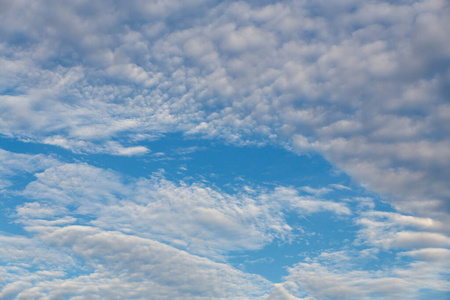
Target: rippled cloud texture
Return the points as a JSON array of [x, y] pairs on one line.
[[225, 149]]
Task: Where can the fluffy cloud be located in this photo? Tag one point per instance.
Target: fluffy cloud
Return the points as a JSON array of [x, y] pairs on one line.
[[338, 275], [89, 224], [363, 83], [147, 269], [361, 274], [393, 230], [205, 220], [15, 164]]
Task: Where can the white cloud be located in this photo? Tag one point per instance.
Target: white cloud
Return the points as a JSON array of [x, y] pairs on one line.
[[147, 269], [115, 224], [317, 192], [406, 255], [280, 292], [322, 283], [433, 255], [411, 239], [24, 261], [304, 205], [363, 83], [393, 230], [89, 224], [12, 164], [204, 220], [336, 275], [340, 187]]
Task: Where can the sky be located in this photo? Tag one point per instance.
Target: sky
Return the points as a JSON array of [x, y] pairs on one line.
[[200, 149]]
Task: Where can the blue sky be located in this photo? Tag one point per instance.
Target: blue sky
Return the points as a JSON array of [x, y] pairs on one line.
[[224, 150]]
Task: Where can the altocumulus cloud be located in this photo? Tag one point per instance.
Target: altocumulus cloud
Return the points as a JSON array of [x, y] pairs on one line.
[[365, 84], [89, 224]]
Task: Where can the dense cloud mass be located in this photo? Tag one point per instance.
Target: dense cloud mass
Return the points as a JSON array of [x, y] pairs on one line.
[[364, 83]]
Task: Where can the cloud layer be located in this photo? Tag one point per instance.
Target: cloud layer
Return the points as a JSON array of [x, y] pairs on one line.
[[365, 84], [94, 233]]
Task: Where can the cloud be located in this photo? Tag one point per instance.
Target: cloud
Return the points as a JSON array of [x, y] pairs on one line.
[[337, 276], [407, 239], [279, 292], [88, 224], [25, 261], [364, 85], [393, 255], [205, 220], [437, 255], [317, 192], [393, 230], [147, 269], [15, 164], [304, 205], [365, 89]]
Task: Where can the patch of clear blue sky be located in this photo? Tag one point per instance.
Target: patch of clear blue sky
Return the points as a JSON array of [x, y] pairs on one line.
[[228, 168]]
